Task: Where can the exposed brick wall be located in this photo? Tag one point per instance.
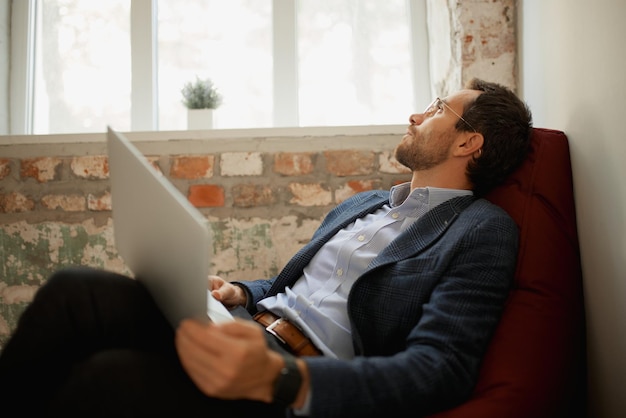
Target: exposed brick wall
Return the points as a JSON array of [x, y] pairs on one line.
[[262, 206], [41, 188]]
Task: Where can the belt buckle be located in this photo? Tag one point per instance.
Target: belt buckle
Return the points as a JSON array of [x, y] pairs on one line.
[[270, 329]]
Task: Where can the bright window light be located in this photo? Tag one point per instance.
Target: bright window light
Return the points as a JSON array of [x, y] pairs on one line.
[[275, 62]]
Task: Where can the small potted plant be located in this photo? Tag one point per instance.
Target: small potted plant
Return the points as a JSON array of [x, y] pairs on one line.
[[200, 98]]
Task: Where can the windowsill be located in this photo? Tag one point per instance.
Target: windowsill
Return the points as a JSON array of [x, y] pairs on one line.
[[311, 139], [252, 133]]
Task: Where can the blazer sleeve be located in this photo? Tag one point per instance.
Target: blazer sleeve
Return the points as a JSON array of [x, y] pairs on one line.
[[439, 364], [255, 291]]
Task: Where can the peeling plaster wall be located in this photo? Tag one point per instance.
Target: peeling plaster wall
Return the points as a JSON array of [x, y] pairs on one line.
[[242, 249], [472, 38], [29, 252]]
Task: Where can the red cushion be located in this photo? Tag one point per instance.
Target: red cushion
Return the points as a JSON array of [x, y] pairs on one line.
[[535, 362]]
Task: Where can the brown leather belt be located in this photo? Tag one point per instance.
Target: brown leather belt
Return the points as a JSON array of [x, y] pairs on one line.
[[288, 334]]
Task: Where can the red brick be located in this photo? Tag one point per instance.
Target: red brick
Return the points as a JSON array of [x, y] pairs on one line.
[[192, 167], [241, 164], [154, 162], [293, 164], [353, 187], [349, 162], [41, 169], [388, 164], [5, 167], [250, 195], [310, 194], [67, 203], [206, 195], [15, 203], [99, 203], [91, 167]]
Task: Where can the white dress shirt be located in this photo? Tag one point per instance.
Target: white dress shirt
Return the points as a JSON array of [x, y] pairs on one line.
[[317, 301]]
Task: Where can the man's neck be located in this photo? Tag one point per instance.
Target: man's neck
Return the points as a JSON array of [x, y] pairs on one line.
[[440, 180]]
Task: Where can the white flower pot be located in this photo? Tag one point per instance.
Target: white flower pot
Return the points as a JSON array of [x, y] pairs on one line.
[[199, 119]]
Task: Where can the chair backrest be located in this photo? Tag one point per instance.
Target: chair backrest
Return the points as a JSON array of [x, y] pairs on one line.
[[535, 364]]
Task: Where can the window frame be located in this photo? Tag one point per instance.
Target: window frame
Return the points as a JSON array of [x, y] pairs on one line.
[[144, 50], [22, 75]]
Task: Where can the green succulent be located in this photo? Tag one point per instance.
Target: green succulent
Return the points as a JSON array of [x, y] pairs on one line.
[[201, 94]]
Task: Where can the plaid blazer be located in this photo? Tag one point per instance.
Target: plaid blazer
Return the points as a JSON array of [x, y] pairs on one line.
[[422, 314]]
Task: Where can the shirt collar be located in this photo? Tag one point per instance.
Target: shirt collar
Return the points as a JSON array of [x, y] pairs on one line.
[[401, 194]]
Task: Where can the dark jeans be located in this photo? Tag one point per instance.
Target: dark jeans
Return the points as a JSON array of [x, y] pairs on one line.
[[93, 343]]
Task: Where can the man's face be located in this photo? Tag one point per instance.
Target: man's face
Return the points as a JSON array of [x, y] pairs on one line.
[[430, 135]]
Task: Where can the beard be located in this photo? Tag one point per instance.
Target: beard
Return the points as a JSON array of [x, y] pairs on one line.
[[415, 154]]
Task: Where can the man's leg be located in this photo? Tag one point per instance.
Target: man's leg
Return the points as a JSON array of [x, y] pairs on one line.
[[76, 313], [91, 336]]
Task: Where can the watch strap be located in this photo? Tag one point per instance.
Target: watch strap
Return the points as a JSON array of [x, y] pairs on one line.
[[288, 382]]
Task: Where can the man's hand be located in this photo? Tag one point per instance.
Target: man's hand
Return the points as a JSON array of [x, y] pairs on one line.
[[230, 295], [228, 361]]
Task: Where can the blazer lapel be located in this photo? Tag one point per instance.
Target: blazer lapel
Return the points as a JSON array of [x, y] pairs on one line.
[[423, 232], [294, 268]]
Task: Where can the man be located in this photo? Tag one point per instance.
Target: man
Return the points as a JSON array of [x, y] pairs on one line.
[[388, 309]]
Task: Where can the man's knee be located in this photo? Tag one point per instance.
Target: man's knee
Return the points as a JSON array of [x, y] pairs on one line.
[[72, 280]]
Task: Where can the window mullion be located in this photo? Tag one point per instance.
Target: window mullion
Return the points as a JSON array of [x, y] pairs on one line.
[[286, 112], [421, 67], [23, 27], [144, 99]]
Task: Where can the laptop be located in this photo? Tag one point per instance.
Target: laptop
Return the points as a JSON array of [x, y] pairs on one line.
[[162, 238]]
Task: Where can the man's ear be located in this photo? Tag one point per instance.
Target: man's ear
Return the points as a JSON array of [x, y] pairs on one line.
[[469, 144]]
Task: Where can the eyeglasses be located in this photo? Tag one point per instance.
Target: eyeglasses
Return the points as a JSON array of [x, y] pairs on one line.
[[438, 105]]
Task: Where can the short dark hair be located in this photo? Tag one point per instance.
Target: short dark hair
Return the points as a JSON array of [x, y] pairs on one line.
[[505, 122]]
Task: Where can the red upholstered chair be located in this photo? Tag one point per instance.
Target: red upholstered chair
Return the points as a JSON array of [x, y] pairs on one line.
[[535, 364]]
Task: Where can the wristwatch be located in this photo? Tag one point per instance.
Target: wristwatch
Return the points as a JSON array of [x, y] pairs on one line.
[[288, 382]]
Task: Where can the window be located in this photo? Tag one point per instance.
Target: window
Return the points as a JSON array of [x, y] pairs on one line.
[[231, 44], [276, 62], [82, 66]]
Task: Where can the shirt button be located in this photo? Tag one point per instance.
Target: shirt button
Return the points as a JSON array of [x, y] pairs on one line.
[[340, 272], [395, 215], [361, 238]]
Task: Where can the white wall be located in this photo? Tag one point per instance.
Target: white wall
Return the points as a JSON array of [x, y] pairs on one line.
[[573, 75]]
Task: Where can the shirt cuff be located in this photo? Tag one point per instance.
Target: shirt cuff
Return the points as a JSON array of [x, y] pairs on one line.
[[249, 303], [306, 408]]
